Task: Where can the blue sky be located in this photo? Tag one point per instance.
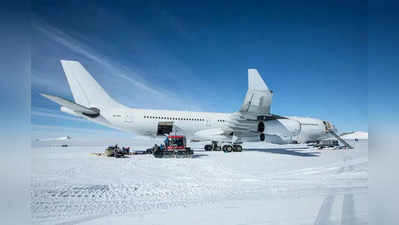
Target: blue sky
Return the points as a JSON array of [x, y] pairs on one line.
[[383, 57], [195, 56]]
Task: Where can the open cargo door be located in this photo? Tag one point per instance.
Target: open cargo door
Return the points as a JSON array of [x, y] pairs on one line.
[[164, 128]]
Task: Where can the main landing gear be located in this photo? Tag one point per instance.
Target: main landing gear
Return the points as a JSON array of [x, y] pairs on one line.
[[237, 148], [225, 148], [213, 147], [232, 148]]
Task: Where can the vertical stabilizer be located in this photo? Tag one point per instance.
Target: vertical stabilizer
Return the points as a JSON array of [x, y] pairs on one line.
[[258, 99], [255, 81], [85, 90]]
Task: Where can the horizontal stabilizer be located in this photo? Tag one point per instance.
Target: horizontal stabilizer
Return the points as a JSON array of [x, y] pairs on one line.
[[91, 112]]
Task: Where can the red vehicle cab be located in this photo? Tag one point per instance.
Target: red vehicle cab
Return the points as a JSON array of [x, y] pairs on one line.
[[174, 147], [175, 142]]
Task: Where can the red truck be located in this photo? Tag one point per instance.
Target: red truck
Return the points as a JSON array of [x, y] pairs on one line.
[[174, 146]]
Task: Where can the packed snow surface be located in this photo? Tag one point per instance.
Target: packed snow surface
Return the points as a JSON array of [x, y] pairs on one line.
[[264, 184]]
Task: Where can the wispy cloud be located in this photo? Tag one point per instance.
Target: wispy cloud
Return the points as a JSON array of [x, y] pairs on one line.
[[76, 130], [54, 114], [115, 69], [49, 85], [176, 24], [50, 131]]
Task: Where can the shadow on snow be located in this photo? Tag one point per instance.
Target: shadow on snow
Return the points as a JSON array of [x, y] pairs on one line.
[[286, 151]]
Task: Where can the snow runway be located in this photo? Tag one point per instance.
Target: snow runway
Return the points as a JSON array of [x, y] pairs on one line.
[[266, 184]]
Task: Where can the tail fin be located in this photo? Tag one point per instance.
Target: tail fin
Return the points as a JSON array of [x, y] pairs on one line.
[[85, 90], [255, 81], [258, 99]]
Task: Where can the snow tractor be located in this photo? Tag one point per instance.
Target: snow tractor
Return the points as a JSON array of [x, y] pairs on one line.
[[173, 147], [115, 151]]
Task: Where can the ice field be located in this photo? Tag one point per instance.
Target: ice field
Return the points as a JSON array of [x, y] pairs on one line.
[[264, 184]]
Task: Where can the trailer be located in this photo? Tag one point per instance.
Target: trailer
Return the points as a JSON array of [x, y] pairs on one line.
[[174, 146], [115, 151]]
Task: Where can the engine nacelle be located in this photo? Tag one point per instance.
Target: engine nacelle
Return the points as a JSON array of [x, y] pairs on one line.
[[262, 137], [69, 111], [261, 127], [274, 139], [256, 138], [282, 127]]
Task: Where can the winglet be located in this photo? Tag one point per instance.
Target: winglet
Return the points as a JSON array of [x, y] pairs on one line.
[[255, 81]]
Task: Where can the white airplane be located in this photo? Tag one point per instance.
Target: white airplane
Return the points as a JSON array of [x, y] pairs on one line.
[[55, 139], [253, 122]]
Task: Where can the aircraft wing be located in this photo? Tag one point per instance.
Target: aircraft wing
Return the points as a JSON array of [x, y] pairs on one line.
[[258, 98], [239, 122], [215, 133], [257, 103], [244, 123]]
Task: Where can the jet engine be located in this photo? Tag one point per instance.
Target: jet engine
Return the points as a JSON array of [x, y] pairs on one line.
[[262, 137], [261, 127], [69, 111], [283, 127], [274, 139]]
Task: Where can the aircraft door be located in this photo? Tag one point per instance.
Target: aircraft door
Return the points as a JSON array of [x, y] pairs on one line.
[[128, 117], [208, 122], [164, 128]]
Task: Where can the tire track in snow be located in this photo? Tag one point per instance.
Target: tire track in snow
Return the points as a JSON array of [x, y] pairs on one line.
[[348, 210], [324, 169], [348, 207], [323, 216]]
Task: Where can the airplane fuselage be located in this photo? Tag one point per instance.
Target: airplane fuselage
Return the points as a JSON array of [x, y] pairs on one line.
[[146, 122]]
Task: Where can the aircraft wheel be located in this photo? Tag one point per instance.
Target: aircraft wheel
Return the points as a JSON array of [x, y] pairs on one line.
[[208, 147], [227, 148], [238, 148]]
